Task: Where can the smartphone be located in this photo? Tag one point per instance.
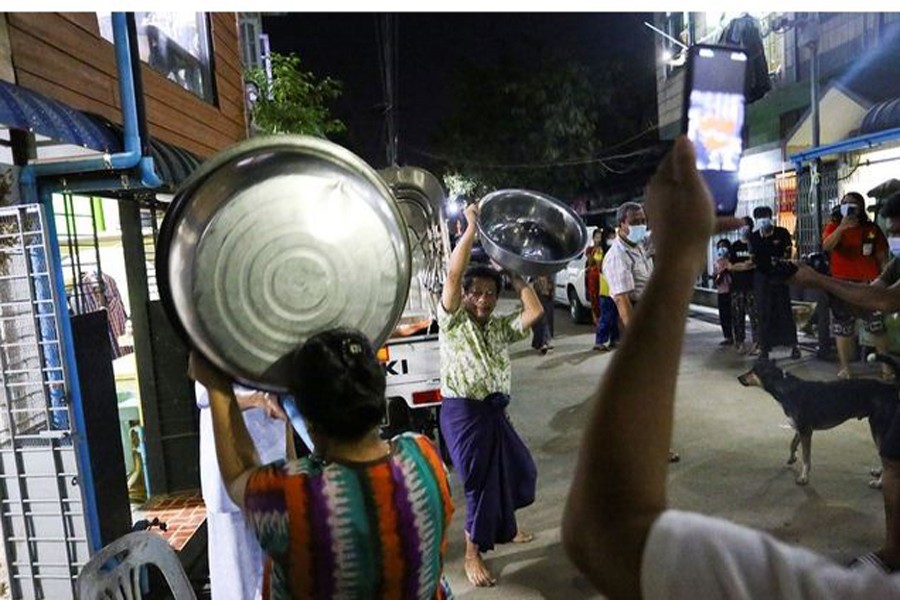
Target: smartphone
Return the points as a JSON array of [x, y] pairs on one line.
[[713, 117]]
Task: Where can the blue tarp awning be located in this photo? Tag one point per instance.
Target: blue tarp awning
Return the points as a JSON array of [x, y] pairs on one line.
[[21, 108]]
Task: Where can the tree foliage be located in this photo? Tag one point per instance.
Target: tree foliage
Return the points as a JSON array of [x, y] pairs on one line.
[[537, 123], [295, 101]]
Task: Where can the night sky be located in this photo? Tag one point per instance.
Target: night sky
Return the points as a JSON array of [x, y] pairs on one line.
[[429, 47]]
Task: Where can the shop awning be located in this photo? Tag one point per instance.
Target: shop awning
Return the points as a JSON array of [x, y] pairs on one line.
[[172, 164], [21, 108], [884, 115], [860, 142]]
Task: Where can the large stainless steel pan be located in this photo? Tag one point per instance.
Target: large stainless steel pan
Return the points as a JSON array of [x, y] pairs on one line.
[[274, 240], [529, 233]]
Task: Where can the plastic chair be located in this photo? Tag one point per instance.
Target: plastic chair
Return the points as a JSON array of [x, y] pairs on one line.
[[115, 571]]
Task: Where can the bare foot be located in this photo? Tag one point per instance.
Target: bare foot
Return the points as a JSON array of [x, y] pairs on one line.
[[523, 537], [477, 571]]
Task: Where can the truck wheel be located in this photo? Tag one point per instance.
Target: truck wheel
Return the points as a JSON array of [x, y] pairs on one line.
[[577, 310]]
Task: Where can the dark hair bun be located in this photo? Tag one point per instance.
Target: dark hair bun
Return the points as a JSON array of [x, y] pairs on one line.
[[339, 383]]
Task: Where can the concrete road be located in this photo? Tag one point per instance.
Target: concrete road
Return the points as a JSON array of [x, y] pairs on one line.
[[733, 442]]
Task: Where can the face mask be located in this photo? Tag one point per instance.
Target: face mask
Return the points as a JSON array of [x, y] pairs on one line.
[[722, 252], [894, 243], [848, 208], [764, 224], [636, 233], [745, 231]]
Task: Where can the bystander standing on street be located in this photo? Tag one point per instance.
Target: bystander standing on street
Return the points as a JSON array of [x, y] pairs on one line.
[[542, 331], [722, 279], [743, 299], [858, 251], [768, 245], [627, 267]]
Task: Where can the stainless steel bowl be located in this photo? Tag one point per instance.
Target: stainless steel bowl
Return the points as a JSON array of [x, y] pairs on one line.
[[529, 233], [274, 240]]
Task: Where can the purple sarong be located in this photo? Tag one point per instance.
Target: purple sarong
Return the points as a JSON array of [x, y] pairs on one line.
[[493, 464]]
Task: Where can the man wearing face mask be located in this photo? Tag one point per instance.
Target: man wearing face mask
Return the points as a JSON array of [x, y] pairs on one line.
[[770, 244], [882, 294], [627, 267], [858, 251]]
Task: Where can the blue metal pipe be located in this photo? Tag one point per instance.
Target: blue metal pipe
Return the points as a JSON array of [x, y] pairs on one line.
[[130, 157], [94, 187], [857, 143], [82, 451], [38, 182]]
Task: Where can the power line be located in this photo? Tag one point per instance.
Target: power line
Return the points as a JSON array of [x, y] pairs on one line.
[[597, 160]]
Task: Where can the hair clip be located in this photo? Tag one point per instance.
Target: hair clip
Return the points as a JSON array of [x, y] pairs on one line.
[[350, 348]]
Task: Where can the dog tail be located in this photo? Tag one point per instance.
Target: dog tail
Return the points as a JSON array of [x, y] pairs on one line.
[[887, 360]]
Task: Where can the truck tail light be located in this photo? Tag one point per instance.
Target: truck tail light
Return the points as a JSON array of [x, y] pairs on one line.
[[383, 354], [427, 397]]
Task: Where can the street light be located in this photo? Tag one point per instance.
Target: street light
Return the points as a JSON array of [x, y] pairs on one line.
[[452, 206]]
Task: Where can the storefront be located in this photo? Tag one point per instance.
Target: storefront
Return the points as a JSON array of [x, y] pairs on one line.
[[94, 393]]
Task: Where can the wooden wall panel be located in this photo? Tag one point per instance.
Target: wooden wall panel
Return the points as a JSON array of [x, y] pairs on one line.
[[85, 20], [66, 95], [63, 56], [57, 67], [7, 73], [51, 28]]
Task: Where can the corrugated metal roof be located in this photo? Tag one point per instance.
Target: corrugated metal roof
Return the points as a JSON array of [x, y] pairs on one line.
[[21, 108]]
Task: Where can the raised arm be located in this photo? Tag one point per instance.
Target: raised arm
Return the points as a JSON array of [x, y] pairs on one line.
[[451, 295], [235, 450], [619, 484], [833, 238], [531, 304], [875, 296]]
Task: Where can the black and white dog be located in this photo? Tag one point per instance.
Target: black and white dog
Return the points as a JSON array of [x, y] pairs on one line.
[[818, 405]]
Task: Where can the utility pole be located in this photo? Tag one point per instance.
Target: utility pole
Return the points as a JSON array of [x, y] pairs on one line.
[[388, 63], [810, 38]]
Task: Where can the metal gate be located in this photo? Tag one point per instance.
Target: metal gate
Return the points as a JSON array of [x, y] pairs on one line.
[[809, 237], [43, 517]]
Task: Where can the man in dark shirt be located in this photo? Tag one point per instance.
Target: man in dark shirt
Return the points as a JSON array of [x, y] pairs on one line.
[[743, 301], [770, 244]]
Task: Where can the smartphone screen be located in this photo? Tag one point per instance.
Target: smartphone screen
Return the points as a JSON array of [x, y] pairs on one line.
[[714, 118]]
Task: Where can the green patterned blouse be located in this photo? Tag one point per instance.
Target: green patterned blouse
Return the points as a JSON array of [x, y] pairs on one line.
[[475, 359]]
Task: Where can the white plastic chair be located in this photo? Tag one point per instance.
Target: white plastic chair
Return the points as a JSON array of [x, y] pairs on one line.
[[115, 571]]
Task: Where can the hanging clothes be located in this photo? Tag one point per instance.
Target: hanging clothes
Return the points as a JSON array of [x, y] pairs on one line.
[[743, 32], [99, 292]]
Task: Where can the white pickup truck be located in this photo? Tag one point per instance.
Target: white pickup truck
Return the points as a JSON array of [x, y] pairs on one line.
[[412, 367], [569, 290]]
